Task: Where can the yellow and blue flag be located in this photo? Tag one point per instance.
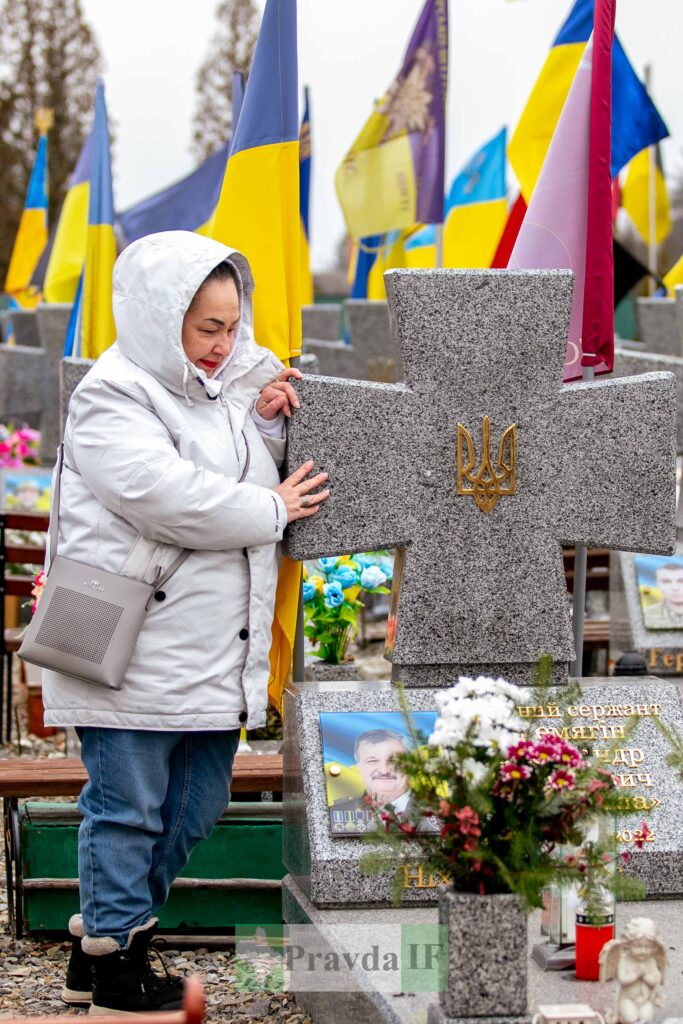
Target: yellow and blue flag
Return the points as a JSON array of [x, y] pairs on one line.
[[475, 214], [67, 254], [636, 122], [92, 329], [188, 205], [393, 175], [305, 152], [237, 98], [371, 258], [31, 236], [259, 214], [635, 197]]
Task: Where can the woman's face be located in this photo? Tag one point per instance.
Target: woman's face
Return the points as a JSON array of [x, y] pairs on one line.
[[210, 324]]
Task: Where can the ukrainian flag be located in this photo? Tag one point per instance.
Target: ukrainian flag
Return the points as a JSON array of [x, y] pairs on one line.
[[635, 197], [476, 214], [259, 214], [636, 123], [305, 201], [31, 236], [67, 256], [188, 205], [373, 256], [92, 330]]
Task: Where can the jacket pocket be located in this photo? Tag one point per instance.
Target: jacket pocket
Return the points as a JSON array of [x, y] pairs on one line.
[[146, 557]]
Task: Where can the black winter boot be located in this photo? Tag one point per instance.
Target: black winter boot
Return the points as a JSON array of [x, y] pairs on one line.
[[123, 980], [77, 990]]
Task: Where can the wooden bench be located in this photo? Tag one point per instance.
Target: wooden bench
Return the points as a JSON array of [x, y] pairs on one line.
[[12, 585], [22, 778], [193, 1011]]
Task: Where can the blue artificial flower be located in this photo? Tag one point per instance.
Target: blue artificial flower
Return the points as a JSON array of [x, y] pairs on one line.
[[345, 576], [334, 595], [365, 560], [309, 591], [387, 567], [328, 564], [372, 577]]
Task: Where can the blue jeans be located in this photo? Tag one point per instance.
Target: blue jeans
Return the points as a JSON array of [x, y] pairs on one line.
[[151, 796]]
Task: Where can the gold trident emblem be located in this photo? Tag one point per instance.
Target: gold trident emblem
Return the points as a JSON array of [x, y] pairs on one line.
[[488, 484]]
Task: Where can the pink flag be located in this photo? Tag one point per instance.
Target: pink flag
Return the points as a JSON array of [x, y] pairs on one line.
[[553, 235], [598, 302]]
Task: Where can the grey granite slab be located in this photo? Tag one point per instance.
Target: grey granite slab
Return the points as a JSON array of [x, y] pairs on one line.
[[327, 867], [24, 326], [595, 465], [369, 1005], [29, 378], [629, 362], [53, 321], [368, 353], [658, 326], [21, 384], [322, 321], [72, 372]]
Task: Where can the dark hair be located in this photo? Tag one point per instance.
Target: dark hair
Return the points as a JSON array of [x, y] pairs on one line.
[[221, 272]]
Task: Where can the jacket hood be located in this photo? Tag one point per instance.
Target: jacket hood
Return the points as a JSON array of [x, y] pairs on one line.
[[155, 279]]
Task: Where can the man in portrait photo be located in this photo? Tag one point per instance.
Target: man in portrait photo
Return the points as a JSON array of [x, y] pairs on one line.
[[667, 613], [374, 751]]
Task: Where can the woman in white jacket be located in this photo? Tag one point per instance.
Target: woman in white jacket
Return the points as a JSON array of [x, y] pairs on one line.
[[173, 440]]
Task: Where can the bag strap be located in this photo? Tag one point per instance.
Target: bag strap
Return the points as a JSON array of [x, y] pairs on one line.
[[54, 529]]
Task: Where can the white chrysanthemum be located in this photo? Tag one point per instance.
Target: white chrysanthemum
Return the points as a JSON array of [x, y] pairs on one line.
[[484, 707]]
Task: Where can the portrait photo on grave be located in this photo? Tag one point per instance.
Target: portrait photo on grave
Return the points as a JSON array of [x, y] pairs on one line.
[[660, 590], [358, 753], [25, 489]]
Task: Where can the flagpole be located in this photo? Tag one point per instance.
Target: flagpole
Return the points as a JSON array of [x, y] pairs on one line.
[[580, 573], [439, 246], [651, 200]]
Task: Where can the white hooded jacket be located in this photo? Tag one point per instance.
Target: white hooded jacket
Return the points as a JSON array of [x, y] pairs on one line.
[[158, 457]]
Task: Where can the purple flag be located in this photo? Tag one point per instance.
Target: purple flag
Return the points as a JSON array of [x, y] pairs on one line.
[[393, 175]]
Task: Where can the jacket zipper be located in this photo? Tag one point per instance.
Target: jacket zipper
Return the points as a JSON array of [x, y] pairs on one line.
[[224, 404]]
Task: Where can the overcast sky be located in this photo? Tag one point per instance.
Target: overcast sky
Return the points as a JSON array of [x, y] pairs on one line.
[[349, 50]]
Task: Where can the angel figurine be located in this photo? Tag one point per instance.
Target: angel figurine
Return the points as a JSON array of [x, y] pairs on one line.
[[637, 961]]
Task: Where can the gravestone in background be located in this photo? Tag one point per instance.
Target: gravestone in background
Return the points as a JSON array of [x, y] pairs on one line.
[[71, 373], [24, 326], [658, 326], [53, 321], [679, 308], [29, 379], [661, 648], [21, 385], [370, 354], [630, 363], [479, 583], [322, 321]]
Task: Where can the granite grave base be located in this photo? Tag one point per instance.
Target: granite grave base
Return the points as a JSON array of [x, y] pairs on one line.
[[326, 867], [371, 1006]]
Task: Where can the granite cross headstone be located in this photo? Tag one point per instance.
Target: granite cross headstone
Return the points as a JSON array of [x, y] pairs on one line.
[[480, 466], [658, 326]]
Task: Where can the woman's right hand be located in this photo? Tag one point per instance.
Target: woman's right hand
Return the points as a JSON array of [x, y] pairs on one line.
[[295, 491]]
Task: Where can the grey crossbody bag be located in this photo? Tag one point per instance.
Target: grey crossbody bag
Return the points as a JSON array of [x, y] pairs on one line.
[[88, 621]]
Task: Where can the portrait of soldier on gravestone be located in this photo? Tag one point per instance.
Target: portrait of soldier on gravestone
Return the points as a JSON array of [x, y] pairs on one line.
[[360, 761], [660, 585]]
